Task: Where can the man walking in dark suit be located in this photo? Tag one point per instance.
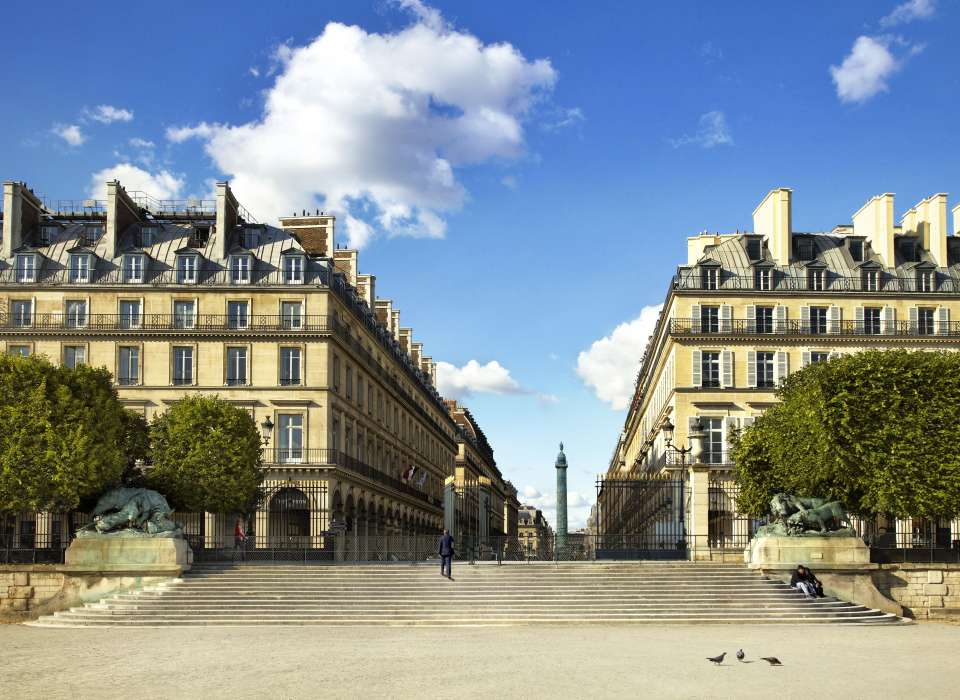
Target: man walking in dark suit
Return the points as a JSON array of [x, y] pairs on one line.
[[446, 555]]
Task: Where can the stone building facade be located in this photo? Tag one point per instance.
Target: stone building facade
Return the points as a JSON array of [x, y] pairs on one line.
[[535, 533], [195, 297], [748, 308]]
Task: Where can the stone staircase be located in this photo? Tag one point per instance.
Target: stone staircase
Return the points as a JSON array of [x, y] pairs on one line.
[[480, 595]]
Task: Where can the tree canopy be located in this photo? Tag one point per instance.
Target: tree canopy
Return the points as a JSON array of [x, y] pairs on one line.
[[206, 456], [876, 430], [62, 434]]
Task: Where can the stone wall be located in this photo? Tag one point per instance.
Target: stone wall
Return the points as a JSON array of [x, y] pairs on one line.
[[924, 590], [28, 591]]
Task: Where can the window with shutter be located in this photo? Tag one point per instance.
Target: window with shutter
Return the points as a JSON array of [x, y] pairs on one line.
[[834, 320], [805, 358], [914, 320], [943, 321], [858, 320], [695, 367], [925, 324], [695, 318], [751, 318], [751, 368], [782, 368], [887, 324], [726, 318], [780, 318], [804, 319], [727, 368]]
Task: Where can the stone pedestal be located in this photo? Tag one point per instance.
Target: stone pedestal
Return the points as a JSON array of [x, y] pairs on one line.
[[815, 552], [129, 554]]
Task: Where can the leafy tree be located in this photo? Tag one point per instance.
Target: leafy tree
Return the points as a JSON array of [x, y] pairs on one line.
[[136, 443], [61, 434], [877, 430], [206, 456]]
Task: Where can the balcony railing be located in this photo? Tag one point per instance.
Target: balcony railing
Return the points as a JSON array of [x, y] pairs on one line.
[[740, 326], [294, 456], [220, 323], [745, 279], [205, 277]]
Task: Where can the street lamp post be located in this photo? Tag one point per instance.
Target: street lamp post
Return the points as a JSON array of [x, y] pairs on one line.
[[694, 448], [266, 428]]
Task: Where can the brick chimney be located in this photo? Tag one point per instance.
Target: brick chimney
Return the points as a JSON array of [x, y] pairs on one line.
[[928, 220], [347, 262], [314, 232], [874, 220], [21, 215], [773, 219]]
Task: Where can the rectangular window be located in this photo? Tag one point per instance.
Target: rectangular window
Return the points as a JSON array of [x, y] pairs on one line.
[[26, 268], [818, 319], [19, 350], [763, 279], [765, 370], [182, 365], [289, 437], [349, 382], [925, 321], [754, 249], [91, 233], [856, 250], [291, 315], [764, 316], [925, 281], [47, 234], [805, 249], [183, 314], [713, 442], [336, 373], [79, 269], [871, 320], [21, 312], [293, 269], [816, 280], [710, 277], [76, 314], [236, 366], [130, 313], [290, 366], [359, 390], [709, 319], [147, 234], [74, 355], [240, 269], [871, 280], [819, 356], [128, 372], [133, 269], [238, 315], [250, 238], [187, 269], [710, 369]]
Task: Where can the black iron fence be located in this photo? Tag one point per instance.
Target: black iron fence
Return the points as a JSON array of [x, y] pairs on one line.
[[741, 326], [147, 323], [728, 279]]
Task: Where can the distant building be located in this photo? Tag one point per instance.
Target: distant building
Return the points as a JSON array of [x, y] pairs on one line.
[[536, 535]]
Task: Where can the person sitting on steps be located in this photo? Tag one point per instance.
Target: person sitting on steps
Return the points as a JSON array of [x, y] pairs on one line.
[[805, 582]]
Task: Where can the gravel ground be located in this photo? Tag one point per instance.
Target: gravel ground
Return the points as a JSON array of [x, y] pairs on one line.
[[528, 662]]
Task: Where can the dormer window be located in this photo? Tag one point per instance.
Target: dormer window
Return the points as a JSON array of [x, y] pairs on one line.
[[805, 249], [856, 250], [26, 267], [250, 237], [926, 282], [92, 233], [754, 249], [816, 280], [200, 236], [148, 235], [240, 268], [187, 269], [710, 278], [763, 278], [79, 268], [871, 280], [133, 268], [48, 232], [293, 266], [908, 250]]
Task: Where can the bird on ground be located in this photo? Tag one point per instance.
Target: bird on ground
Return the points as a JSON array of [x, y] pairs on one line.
[[717, 659], [772, 660], [740, 655]]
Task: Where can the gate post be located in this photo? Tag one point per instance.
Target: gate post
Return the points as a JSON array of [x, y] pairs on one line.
[[450, 505], [699, 514]]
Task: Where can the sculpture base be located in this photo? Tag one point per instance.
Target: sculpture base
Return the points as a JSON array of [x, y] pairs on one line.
[[815, 552], [131, 554]]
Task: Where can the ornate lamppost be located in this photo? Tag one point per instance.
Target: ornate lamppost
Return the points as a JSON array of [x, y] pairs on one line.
[[694, 448]]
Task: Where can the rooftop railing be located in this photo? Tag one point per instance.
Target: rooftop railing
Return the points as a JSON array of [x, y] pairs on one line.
[[727, 279], [144, 323], [795, 327]]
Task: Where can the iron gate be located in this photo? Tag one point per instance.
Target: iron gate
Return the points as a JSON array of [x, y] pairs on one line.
[[642, 518]]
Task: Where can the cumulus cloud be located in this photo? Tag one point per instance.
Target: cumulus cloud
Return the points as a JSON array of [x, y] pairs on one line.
[[106, 114], [610, 365], [374, 126], [70, 133], [141, 143], [578, 506], [459, 382], [909, 11], [161, 185], [712, 131], [865, 70]]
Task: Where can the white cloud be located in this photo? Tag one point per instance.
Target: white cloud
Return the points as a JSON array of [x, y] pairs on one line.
[[611, 364], [578, 506], [378, 139], [564, 117], [107, 114], [712, 131], [141, 143], [909, 11], [70, 133], [548, 399], [459, 382], [161, 185], [865, 70], [254, 71]]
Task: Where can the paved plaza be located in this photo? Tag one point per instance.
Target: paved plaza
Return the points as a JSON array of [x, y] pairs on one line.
[[524, 661]]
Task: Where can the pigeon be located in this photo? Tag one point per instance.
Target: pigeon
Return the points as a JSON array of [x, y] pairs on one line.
[[717, 659], [772, 660], [740, 655]]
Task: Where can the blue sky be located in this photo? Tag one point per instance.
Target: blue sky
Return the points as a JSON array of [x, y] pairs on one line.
[[521, 176]]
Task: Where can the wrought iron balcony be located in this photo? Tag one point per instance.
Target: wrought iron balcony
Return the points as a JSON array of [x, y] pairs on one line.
[[153, 323], [203, 277], [798, 280], [795, 327]]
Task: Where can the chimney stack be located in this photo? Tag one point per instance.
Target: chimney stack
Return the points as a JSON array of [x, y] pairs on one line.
[[347, 262], [121, 212], [928, 219], [874, 220], [21, 215], [956, 220], [773, 219], [314, 232], [366, 285], [396, 325], [227, 219]]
